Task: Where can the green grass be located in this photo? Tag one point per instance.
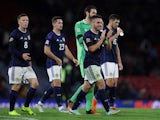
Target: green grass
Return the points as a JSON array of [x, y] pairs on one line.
[[53, 114]]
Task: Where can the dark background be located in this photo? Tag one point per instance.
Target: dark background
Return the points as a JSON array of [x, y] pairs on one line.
[[140, 47]]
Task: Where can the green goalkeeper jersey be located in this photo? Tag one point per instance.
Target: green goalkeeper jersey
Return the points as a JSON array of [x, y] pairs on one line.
[[80, 28]]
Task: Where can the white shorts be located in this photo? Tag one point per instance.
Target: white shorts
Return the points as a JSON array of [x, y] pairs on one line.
[[93, 74], [18, 75], [54, 73], [110, 70]]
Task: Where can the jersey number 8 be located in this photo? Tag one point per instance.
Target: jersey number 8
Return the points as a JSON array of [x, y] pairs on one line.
[[25, 44]]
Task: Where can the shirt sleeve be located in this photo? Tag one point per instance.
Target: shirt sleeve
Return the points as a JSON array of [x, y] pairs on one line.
[[79, 33], [48, 41], [12, 47], [88, 40]]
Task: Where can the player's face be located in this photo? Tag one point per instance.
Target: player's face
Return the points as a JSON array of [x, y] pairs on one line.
[[92, 13], [98, 24], [58, 24], [115, 23], [23, 22]]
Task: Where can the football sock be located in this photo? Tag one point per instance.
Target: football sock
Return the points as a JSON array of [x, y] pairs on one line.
[[47, 94], [29, 96], [89, 98], [101, 96], [74, 97], [13, 96], [112, 95], [79, 99], [58, 97]]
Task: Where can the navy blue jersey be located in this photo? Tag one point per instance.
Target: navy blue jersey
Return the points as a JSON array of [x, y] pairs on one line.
[[57, 46], [19, 43], [110, 55], [91, 58]]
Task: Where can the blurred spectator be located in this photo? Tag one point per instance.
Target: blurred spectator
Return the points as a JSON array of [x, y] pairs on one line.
[[4, 92]]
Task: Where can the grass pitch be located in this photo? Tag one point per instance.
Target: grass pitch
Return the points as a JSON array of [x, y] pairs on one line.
[[53, 114]]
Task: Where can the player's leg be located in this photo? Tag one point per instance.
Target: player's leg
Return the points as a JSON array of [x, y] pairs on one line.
[[101, 93], [89, 98], [48, 92], [15, 77], [56, 84], [111, 82], [74, 97], [112, 91], [32, 79], [85, 88]]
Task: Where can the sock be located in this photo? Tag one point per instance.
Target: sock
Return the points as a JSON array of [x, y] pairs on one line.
[[74, 97], [79, 99], [89, 98], [58, 96], [13, 96], [47, 94], [29, 96], [112, 95], [101, 96]]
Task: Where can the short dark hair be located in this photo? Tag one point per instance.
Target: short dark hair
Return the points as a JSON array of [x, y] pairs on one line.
[[54, 19], [88, 8], [21, 15], [95, 16], [114, 16]]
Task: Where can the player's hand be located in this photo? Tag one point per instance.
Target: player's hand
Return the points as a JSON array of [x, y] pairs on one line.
[[59, 61], [109, 34], [119, 31], [102, 37], [75, 62], [26, 56], [120, 66]]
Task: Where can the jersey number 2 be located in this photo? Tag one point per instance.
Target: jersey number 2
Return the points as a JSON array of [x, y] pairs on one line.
[[61, 46]]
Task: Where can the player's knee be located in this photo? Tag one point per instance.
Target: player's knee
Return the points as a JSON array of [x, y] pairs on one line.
[[86, 87], [16, 87], [34, 83]]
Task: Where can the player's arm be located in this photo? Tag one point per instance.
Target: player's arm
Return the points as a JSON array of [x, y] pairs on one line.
[[113, 37], [48, 52], [120, 65], [12, 48], [79, 33], [70, 55], [108, 41], [94, 47]]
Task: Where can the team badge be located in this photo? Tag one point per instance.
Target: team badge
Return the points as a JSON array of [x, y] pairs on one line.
[[78, 30], [56, 75], [63, 39], [110, 73], [17, 79], [29, 37]]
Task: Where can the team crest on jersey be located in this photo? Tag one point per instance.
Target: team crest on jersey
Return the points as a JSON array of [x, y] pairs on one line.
[[11, 39], [63, 39], [29, 37]]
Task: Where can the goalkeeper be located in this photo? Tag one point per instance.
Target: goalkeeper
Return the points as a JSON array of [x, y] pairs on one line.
[[80, 28]]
